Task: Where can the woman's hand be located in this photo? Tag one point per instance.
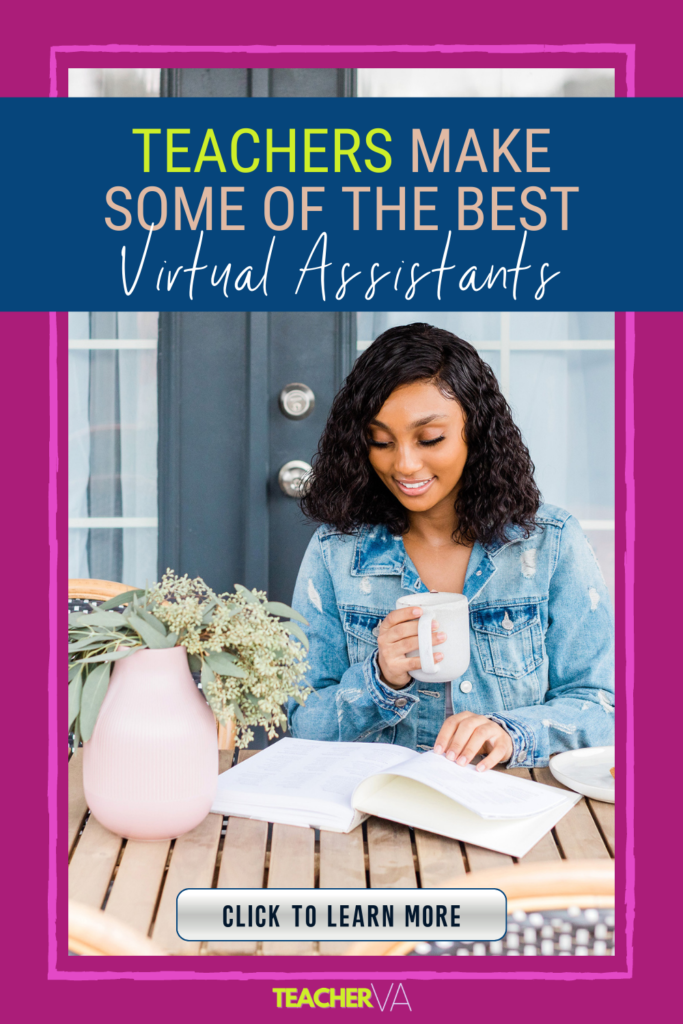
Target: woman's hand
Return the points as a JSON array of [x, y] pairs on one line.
[[398, 636], [463, 736]]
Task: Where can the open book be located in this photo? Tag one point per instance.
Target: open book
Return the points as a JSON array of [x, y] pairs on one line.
[[335, 786]]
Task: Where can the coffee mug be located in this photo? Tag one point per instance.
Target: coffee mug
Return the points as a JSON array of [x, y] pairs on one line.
[[452, 613]]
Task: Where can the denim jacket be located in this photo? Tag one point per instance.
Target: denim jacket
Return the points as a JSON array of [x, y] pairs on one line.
[[541, 638]]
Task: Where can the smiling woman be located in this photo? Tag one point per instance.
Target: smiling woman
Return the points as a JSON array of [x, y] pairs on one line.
[[397, 447], [422, 462], [422, 408], [423, 483]]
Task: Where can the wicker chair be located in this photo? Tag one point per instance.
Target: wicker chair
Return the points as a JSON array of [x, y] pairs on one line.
[[93, 592], [565, 897], [94, 933]]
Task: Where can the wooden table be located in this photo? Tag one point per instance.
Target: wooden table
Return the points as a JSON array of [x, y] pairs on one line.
[[138, 882]]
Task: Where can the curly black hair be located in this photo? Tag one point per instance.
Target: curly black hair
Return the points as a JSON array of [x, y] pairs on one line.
[[497, 488]]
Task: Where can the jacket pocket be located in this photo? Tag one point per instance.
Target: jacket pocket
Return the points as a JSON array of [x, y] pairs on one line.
[[361, 626], [509, 639]]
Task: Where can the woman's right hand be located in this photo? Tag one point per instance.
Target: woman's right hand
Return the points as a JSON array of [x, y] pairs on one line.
[[397, 637]]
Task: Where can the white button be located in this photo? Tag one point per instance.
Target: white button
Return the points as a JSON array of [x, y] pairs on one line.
[[375, 631], [478, 573], [465, 686], [401, 702]]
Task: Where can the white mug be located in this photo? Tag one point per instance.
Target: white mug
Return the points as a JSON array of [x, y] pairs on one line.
[[451, 611]]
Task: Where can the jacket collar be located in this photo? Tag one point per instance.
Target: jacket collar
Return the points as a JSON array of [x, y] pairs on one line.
[[378, 553]]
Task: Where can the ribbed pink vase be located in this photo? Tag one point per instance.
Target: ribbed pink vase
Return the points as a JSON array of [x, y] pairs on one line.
[[151, 766]]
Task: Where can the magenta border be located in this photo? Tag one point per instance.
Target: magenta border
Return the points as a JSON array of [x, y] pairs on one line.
[[53, 670], [56, 973], [628, 49]]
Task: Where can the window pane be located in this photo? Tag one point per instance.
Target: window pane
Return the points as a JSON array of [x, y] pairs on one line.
[[473, 327], [112, 82], [113, 447], [493, 82], [562, 326], [113, 411], [563, 402]]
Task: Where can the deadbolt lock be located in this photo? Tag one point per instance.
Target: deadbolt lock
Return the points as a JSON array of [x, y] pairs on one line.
[[296, 401]]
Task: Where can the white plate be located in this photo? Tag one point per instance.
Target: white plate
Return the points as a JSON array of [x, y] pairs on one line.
[[586, 771]]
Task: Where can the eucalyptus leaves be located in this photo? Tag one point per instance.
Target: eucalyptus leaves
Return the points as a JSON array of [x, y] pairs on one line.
[[250, 661]]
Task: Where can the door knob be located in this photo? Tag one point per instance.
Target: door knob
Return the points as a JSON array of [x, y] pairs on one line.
[[293, 478], [296, 401]]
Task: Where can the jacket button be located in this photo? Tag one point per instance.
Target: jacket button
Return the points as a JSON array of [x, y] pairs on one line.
[[401, 702], [465, 686], [375, 631]]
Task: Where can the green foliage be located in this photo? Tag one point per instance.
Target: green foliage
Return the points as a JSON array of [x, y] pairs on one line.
[[92, 695], [249, 661], [75, 688]]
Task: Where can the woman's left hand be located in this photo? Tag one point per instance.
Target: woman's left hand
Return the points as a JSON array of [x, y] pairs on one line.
[[463, 736]]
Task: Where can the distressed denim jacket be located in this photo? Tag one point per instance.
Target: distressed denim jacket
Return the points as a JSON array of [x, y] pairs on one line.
[[541, 638]]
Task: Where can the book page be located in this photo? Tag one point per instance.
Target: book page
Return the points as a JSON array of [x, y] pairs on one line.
[[402, 799], [490, 794], [305, 773]]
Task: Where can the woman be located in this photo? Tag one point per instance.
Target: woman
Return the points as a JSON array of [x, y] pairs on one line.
[[422, 482]]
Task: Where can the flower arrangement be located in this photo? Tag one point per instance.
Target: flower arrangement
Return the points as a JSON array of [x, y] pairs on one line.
[[249, 660]]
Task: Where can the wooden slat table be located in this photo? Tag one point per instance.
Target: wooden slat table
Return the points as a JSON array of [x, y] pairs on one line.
[[138, 882]]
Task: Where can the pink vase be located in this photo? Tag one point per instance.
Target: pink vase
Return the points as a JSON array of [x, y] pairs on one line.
[[151, 766]]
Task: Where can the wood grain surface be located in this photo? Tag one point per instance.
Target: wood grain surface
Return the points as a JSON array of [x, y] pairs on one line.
[[137, 883]]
